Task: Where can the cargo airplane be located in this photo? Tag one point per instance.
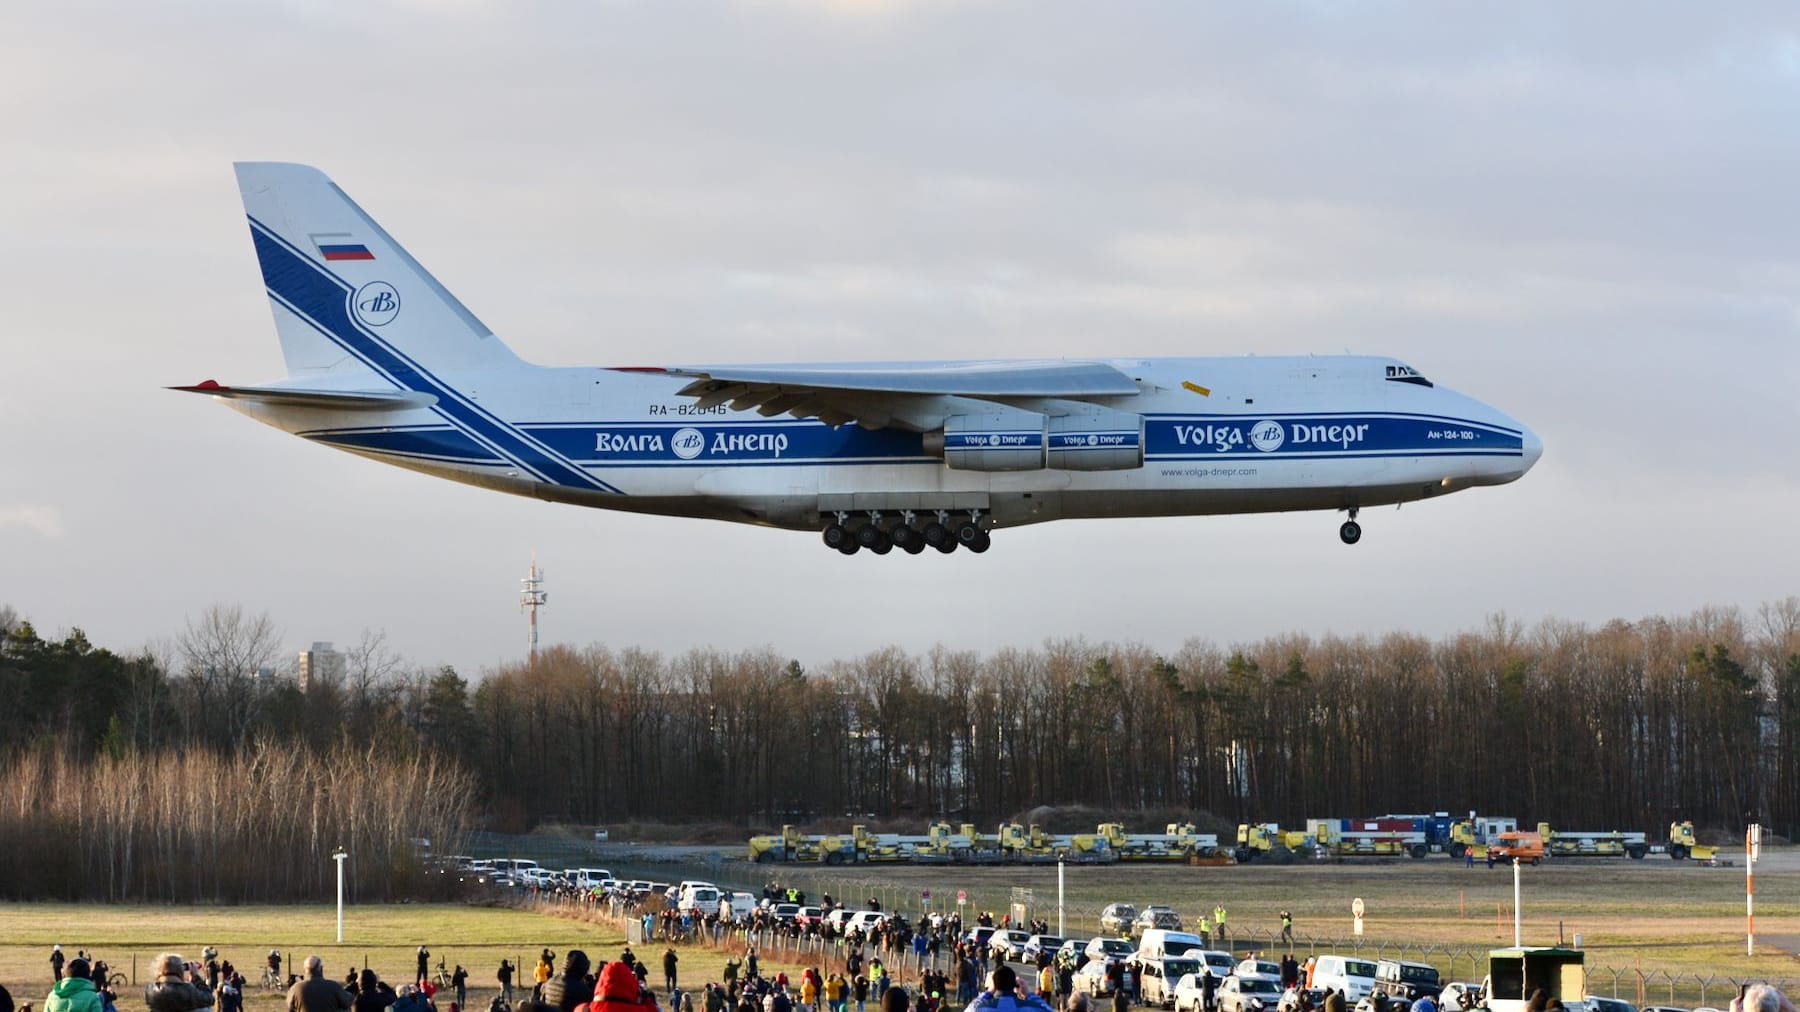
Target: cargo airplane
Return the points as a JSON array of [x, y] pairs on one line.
[[382, 361]]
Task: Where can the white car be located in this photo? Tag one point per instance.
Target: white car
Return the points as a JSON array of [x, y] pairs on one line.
[[1038, 944], [1220, 962], [1091, 979], [865, 921], [1161, 976], [1248, 993], [1008, 944], [1463, 994], [1258, 967], [1106, 950], [1189, 996]]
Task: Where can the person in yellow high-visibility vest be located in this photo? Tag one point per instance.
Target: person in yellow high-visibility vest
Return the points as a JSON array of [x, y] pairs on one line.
[[1219, 926]]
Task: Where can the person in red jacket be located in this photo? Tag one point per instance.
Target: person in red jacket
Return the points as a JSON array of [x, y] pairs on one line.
[[617, 991]]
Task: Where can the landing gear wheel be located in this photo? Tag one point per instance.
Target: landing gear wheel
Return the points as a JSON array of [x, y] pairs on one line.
[[849, 547], [915, 542], [947, 546], [835, 536], [869, 535], [937, 535], [883, 546], [1351, 532], [981, 544], [968, 532]]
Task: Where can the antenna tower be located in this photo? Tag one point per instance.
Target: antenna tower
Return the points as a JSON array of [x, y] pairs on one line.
[[533, 596]]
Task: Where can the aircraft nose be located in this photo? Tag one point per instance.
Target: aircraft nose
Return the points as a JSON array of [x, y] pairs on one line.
[[1532, 445]]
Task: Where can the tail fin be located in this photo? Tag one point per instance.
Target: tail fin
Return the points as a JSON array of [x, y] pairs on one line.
[[347, 298]]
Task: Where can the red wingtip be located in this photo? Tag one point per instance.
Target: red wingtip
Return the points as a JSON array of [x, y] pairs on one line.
[[202, 387]]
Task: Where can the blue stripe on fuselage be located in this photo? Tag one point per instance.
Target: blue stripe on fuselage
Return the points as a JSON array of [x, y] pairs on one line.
[[323, 301]]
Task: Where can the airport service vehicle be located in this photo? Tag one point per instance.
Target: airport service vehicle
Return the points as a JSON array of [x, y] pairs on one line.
[[1367, 838], [384, 362], [1516, 973], [1476, 832], [1177, 842], [1160, 976], [1117, 917], [1349, 974], [1248, 994]]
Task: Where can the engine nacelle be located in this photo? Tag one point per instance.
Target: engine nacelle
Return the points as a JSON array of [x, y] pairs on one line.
[[1005, 439], [1097, 440]]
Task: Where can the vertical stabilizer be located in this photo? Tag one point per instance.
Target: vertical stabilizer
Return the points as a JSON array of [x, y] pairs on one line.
[[347, 298]]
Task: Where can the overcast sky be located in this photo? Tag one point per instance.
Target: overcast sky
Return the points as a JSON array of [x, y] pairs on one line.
[[1584, 214]]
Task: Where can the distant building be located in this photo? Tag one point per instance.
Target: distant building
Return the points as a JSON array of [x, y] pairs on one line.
[[322, 664]]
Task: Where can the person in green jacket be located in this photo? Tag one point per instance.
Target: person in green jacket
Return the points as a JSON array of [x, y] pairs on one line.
[[75, 992]]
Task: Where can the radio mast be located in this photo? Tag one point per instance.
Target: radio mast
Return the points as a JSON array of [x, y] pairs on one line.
[[533, 596]]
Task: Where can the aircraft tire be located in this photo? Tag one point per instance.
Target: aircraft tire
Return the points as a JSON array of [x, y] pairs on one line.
[[869, 535], [1351, 532], [968, 532], [850, 547], [937, 535], [946, 546], [882, 547], [906, 539], [982, 543], [914, 545], [835, 535]]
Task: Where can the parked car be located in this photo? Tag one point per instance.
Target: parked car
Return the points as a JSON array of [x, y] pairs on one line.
[[1662, 1008], [1189, 996], [809, 917], [1297, 999], [1220, 962], [1159, 977], [1466, 994], [1109, 950], [1258, 967], [1398, 978], [1009, 944], [786, 912], [1355, 977], [1043, 944], [1251, 993], [1156, 917], [1596, 1003], [978, 937], [1073, 951], [1116, 918], [1092, 979]]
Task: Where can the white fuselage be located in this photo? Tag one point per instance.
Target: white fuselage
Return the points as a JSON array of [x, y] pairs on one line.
[[1219, 435]]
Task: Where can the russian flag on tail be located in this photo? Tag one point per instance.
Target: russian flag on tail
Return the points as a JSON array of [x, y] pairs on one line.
[[340, 246]]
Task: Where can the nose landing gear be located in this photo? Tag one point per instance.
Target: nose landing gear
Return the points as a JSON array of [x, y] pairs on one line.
[[1351, 532]]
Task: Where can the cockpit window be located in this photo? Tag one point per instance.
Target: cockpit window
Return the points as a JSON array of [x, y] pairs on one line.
[[1406, 374]]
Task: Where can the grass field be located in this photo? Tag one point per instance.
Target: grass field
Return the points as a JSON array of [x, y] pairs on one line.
[[385, 938], [1655, 916]]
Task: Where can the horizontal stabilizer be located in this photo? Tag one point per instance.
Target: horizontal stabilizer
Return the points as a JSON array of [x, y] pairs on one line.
[[333, 400]]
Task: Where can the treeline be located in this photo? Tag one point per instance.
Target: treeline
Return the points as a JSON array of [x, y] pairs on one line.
[[259, 825], [1627, 725]]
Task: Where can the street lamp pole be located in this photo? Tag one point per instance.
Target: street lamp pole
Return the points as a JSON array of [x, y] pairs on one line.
[[339, 858]]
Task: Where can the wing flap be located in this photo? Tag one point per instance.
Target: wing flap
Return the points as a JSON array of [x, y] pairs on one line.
[[330, 400]]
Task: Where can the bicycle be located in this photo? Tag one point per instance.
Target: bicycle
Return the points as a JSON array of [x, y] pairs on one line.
[[443, 978], [271, 977], [115, 980]]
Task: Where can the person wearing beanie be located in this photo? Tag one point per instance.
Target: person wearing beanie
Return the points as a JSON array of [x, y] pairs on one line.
[[74, 992], [571, 990]]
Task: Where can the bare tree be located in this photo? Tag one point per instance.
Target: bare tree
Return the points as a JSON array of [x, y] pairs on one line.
[[223, 653]]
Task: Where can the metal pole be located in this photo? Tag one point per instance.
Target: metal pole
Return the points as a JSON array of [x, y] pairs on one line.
[[339, 858], [1752, 838], [1059, 896], [1518, 935]]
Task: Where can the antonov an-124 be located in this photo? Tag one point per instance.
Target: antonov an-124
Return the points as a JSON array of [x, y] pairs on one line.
[[382, 361]]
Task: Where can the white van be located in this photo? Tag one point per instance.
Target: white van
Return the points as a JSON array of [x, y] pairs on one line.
[[702, 899], [1159, 942], [1349, 974]]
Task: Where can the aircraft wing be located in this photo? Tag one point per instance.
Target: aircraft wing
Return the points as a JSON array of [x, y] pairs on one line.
[[881, 395]]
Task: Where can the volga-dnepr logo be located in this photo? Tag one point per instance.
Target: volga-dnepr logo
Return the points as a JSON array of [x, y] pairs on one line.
[[377, 303], [687, 443], [1267, 435]]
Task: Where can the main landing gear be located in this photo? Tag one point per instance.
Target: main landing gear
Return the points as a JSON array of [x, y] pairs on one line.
[[1351, 532], [911, 532]]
